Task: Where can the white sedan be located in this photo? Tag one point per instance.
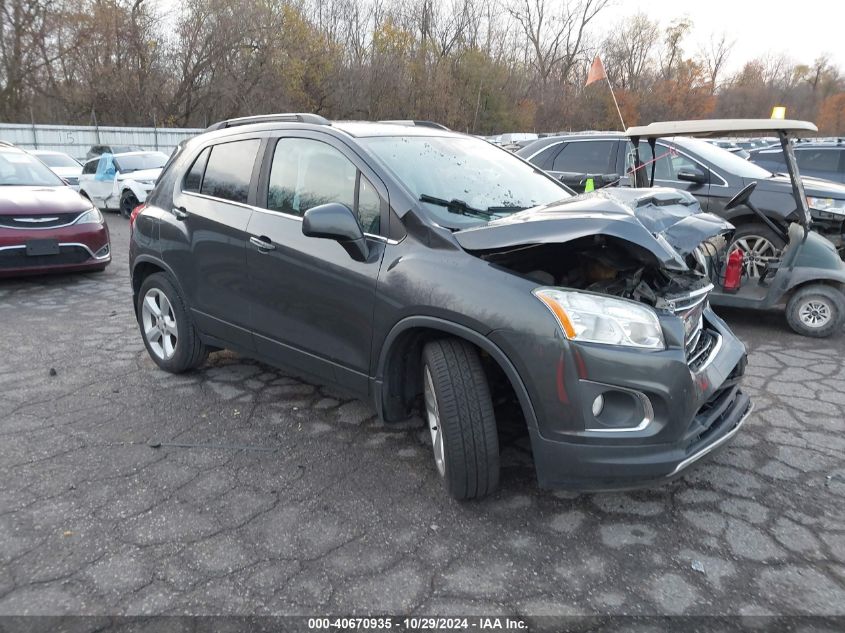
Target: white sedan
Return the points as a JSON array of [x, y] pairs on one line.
[[65, 167], [120, 182]]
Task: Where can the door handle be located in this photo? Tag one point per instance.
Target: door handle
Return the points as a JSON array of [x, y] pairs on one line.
[[263, 243], [180, 212]]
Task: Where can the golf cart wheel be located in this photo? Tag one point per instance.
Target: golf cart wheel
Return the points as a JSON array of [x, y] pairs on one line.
[[128, 202], [816, 310], [760, 246], [459, 414], [166, 326]]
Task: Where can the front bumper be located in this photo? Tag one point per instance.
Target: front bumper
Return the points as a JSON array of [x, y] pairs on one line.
[[81, 247], [688, 413]]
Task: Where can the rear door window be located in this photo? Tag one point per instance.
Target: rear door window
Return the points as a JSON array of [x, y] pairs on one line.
[[587, 157], [229, 170]]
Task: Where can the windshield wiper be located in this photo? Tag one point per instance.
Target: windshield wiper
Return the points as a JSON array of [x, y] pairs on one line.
[[506, 209], [458, 207]]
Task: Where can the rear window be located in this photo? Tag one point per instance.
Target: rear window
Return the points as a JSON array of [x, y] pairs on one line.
[[57, 160], [193, 179], [229, 170]]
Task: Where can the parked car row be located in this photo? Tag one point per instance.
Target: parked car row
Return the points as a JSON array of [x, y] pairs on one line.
[[820, 159]]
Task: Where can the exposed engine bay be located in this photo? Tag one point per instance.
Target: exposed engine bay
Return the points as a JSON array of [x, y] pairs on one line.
[[654, 246], [605, 265]]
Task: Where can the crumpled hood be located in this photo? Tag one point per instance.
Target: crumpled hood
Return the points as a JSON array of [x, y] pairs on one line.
[[667, 222], [141, 174]]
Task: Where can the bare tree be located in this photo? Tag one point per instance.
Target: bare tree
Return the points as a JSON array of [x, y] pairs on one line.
[[629, 51], [714, 56]]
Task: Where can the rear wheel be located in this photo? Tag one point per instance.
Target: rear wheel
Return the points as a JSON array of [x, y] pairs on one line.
[[166, 326], [816, 310], [760, 246], [459, 412], [128, 202]]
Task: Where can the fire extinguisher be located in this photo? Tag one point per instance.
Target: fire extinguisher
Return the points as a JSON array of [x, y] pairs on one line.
[[733, 271]]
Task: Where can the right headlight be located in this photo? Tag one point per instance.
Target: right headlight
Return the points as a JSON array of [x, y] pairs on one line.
[[600, 319], [91, 216], [830, 205]]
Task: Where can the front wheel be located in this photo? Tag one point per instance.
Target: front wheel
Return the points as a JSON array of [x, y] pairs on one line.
[[128, 202], [459, 413], [166, 326], [816, 310]]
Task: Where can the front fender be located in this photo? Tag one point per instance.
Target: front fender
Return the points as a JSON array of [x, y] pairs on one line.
[[135, 188], [381, 394]]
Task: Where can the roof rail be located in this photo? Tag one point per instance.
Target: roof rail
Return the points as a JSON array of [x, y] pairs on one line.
[[6, 143], [417, 123], [282, 117]]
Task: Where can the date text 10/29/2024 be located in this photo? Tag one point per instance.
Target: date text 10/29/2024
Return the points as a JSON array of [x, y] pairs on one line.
[[420, 623]]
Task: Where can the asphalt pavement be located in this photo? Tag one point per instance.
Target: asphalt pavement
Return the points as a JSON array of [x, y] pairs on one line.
[[292, 499]]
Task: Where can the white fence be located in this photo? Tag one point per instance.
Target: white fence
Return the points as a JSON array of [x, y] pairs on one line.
[[77, 139]]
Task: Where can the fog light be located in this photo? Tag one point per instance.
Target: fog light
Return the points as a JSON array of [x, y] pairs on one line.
[[103, 252], [598, 405]]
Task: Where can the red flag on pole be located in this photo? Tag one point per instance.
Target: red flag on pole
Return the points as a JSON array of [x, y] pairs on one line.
[[596, 72]]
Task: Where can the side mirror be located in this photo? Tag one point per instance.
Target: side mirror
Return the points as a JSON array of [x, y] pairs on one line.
[[692, 174], [335, 221]]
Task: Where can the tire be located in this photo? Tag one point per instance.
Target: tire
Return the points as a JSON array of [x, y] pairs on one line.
[[747, 236], [459, 408], [816, 311], [128, 202], [173, 342]]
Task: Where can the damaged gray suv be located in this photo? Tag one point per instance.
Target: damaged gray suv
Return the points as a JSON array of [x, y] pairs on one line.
[[427, 270]]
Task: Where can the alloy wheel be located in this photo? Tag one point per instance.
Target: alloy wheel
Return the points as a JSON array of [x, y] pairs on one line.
[[159, 322], [434, 428], [758, 252]]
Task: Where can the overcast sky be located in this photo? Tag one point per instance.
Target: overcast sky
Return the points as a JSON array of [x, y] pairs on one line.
[[803, 30]]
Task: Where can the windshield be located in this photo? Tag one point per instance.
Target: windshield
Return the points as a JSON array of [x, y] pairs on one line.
[[17, 168], [135, 162], [464, 169], [57, 160], [722, 158]]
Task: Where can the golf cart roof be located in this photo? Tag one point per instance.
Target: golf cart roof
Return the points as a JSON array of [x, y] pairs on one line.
[[718, 127]]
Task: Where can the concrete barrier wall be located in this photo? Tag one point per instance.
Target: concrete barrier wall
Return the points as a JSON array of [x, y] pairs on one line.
[[75, 140]]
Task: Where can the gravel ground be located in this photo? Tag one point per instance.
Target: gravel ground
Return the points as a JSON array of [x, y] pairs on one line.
[[324, 510]]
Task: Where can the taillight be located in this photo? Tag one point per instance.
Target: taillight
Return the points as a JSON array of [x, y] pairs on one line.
[[134, 215], [733, 271]]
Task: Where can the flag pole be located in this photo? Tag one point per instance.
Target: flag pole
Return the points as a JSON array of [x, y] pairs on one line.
[[616, 103]]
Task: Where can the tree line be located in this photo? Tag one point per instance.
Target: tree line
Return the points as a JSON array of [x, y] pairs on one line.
[[481, 66]]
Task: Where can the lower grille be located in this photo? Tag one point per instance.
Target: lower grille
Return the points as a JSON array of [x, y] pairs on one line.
[[17, 258], [44, 221], [701, 350]]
